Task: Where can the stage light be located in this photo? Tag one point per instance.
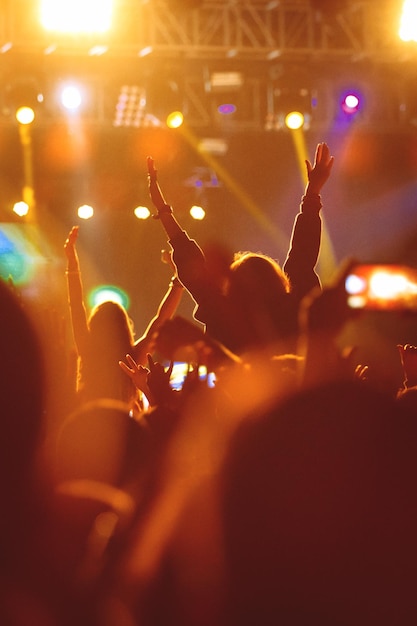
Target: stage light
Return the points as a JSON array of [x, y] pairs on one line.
[[197, 212], [142, 212], [408, 21], [25, 115], [21, 208], [108, 293], [18, 253], [175, 119], [164, 98], [71, 97], [22, 98], [224, 81], [130, 107], [229, 94], [294, 120], [85, 212], [76, 16], [226, 109], [351, 102], [288, 105], [74, 96], [213, 145]]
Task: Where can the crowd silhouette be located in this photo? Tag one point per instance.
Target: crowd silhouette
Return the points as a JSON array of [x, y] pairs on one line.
[[274, 485]]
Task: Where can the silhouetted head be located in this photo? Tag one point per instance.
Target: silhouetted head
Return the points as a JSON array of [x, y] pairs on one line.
[[256, 276], [110, 339], [110, 318], [258, 294]]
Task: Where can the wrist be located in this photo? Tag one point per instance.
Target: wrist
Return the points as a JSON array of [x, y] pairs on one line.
[[311, 202]]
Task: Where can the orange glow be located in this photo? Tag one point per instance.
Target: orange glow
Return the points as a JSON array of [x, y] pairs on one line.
[[67, 149]]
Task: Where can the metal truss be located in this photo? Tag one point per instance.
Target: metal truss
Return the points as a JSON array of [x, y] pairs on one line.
[[207, 29], [276, 44]]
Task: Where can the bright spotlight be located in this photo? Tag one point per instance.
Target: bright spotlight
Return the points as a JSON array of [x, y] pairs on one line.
[[76, 16], [197, 212], [85, 212], [175, 119], [385, 285], [142, 212], [108, 293], [408, 22], [351, 103], [71, 97], [21, 208], [25, 115], [294, 120]]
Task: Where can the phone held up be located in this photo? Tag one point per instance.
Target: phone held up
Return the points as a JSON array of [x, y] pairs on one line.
[[382, 287]]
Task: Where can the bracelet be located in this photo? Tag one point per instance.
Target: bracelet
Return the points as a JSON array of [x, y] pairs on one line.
[[311, 202], [166, 208], [175, 282]]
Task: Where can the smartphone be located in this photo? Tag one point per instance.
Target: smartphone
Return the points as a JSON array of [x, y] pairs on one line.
[[179, 374], [382, 287]]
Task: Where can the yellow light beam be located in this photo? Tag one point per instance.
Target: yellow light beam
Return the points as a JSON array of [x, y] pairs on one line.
[[28, 189], [250, 206]]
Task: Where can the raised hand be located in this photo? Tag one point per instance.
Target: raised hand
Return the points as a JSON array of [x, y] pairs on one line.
[[71, 251], [319, 172], [69, 245], [408, 356], [137, 373], [153, 186], [159, 391]]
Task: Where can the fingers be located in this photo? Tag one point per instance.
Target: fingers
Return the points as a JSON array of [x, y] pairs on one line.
[[151, 166], [322, 156], [131, 361], [125, 368], [134, 368], [317, 156], [154, 366], [361, 372], [72, 236], [330, 163], [324, 153], [410, 349]]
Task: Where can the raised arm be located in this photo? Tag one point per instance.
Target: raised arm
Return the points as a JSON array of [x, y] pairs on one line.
[[166, 310], [187, 255], [164, 210], [75, 292], [306, 235], [408, 357]]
